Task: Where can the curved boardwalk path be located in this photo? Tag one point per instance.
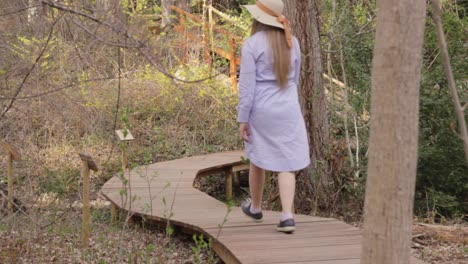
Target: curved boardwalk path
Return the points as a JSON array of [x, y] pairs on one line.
[[166, 189]]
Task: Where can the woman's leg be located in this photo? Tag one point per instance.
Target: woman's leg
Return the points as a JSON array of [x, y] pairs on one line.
[[256, 183], [287, 187]]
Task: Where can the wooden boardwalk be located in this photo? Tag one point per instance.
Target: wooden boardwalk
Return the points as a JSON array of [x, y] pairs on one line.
[[165, 190]]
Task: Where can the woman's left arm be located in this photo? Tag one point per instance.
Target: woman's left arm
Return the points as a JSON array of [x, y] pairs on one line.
[[247, 83]]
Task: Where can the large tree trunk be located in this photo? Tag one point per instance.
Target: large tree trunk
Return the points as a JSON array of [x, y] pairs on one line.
[[393, 140], [304, 17]]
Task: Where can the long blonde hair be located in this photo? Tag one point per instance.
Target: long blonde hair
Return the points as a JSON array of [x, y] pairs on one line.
[[281, 51]]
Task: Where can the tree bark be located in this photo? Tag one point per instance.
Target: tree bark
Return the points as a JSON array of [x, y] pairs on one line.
[[304, 17], [396, 68]]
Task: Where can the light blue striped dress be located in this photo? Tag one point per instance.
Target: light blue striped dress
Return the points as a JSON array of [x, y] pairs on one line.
[[278, 137]]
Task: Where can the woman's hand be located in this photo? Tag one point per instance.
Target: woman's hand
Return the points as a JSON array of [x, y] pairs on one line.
[[244, 131]]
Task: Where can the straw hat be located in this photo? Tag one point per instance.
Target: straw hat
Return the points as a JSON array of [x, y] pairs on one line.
[[263, 17]]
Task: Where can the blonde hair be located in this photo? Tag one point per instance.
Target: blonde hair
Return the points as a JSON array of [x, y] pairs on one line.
[[281, 51]]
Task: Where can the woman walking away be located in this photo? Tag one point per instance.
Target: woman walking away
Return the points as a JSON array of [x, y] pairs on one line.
[[271, 122]]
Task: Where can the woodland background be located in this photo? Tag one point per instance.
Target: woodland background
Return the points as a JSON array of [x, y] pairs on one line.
[[71, 72]]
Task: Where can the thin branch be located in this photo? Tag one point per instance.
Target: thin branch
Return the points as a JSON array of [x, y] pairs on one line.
[[100, 39], [54, 91], [18, 207], [357, 143], [21, 210], [434, 60], [448, 71], [19, 10], [49, 37]]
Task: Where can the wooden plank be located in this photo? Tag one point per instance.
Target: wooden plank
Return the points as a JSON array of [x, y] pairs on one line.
[[207, 173], [153, 183], [227, 255], [211, 222], [275, 235], [332, 261], [310, 227], [305, 253], [240, 167], [293, 242]]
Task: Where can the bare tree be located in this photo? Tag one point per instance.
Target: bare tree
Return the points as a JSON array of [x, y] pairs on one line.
[[397, 61]]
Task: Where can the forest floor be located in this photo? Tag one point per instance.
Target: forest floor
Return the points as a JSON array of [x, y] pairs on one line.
[[52, 234], [441, 244]]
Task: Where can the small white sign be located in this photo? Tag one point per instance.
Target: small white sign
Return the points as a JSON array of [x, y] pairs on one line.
[[124, 135]]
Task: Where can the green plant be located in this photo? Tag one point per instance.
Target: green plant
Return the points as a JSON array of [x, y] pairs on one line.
[[229, 206], [202, 246], [64, 182], [441, 187]]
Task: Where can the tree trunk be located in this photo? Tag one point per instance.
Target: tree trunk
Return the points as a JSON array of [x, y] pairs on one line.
[[32, 12], [388, 208], [304, 17], [166, 12]]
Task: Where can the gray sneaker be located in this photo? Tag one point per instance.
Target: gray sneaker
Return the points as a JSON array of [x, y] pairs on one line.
[[286, 226], [258, 217]]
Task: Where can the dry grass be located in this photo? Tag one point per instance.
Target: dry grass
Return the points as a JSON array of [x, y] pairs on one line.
[[23, 242], [441, 244]]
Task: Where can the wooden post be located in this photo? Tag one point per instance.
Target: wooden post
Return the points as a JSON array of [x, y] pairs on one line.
[[229, 184], [233, 178], [85, 221], [236, 179], [13, 155], [210, 35], [124, 135], [123, 151], [206, 42], [113, 213], [232, 64], [88, 164], [10, 184], [183, 38]]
